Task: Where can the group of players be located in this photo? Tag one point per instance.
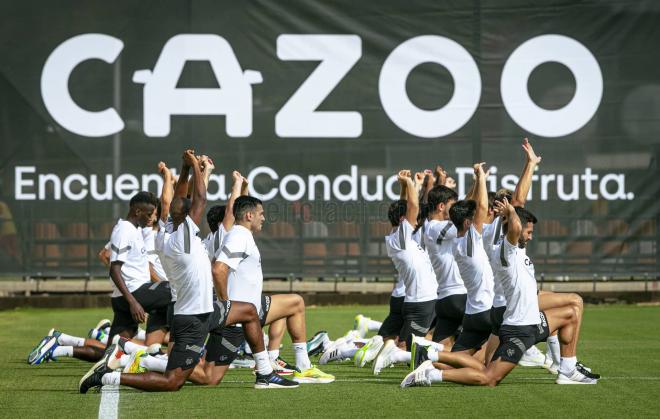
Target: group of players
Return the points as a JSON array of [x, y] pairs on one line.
[[465, 308]]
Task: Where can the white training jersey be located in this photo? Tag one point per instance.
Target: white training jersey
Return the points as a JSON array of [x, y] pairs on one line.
[[213, 241], [399, 289], [149, 236], [187, 266], [127, 246], [492, 237], [412, 263], [515, 271], [439, 238], [241, 254], [475, 270]]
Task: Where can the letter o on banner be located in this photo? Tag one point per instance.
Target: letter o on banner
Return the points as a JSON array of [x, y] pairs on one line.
[[588, 85], [434, 49]]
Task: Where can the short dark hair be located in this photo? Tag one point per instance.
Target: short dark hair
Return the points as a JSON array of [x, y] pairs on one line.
[[215, 216], [145, 198], [245, 204], [397, 210], [503, 193], [525, 216], [441, 195], [461, 211]]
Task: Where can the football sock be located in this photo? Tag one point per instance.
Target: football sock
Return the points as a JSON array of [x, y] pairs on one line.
[[153, 364], [400, 356], [273, 355], [69, 340], [262, 361], [433, 356], [130, 347], [141, 334], [435, 345], [373, 325], [434, 375], [111, 378], [553, 348], [567, 365], [123, 360], [63, 351], [302, 359]]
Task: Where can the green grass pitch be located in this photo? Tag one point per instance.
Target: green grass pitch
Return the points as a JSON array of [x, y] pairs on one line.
[[620, 342]]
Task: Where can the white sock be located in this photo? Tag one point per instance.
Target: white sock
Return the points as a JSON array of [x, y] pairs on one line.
[[435, 345], [63, 351], [373, 325], [433, 356], [262, 361], [273, 355], [400, 356], [553, 348], [111, 378], [363, 341], [130, 347], [348, 351], [123, 361], [141, 334], [434, 375], [567, 365], [302, 359], [153, 364], [104, 339], [69, 340]]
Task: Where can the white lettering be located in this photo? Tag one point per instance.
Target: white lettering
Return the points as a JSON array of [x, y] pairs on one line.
[[75, 196], [364, 183], [313, 180], [57, 186], [352, 180], [251, 181], [619, 180], [220, 194], [295, 179], [20, 183], [126, 186]]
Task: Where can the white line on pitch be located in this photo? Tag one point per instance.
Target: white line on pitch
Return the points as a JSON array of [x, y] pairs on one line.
[[109, 406]]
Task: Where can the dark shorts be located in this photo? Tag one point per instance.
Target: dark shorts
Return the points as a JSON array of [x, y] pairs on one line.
[[449, 313], [515, 340], [170, 315], [154, 299], [394, 321], [417, 318], [223, 347], [265, 308], [189, 334], [476, 329], [496, 318]]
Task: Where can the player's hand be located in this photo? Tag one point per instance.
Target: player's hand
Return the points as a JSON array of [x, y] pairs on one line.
[[503, 207], [531, 155], [403, 176], [450, 182], [441, 175], [137, 312], [479, 169], [189, 158]]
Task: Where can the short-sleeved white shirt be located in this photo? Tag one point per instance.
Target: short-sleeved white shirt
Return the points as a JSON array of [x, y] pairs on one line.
[[149, 236], [439, 237], [412, 263], [476, 271], [399, 289], [493, 235], [127, 246], [187, 266], [515, 271], [213, 241], [241, 254]]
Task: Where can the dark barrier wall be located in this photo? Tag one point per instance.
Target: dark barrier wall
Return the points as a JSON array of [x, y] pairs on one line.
[[319, 104]]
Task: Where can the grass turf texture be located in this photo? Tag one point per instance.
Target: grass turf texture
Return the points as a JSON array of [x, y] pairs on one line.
[[620, 342]]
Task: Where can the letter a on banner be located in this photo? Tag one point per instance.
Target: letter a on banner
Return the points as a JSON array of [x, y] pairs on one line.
[[162, 98]]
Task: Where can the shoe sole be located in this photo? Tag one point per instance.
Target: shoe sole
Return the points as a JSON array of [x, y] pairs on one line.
[[89, 373], [531, 364], [271, 386], [372, 353], [566, 381], [102, 323]]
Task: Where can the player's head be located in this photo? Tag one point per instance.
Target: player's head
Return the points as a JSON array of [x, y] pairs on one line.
[[491, 207], [462, 214], [441, 198], [396, 211], [527, 220], [215, 216], [179, 209], [143, 207], [499, 196], [249, 212]]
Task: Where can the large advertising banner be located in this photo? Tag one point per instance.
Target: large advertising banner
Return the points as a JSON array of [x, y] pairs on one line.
[[319, 104]]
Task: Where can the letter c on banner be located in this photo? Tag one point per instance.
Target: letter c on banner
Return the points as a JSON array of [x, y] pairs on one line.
[[588, 85], [55, 84], [434, 49]]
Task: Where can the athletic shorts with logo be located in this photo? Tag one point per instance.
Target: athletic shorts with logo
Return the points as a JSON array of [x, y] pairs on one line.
[[417, 319], [223, 347], [189, 334], [515, 340], [449, 313], [154, 299], [394, 321], [476, 329]]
